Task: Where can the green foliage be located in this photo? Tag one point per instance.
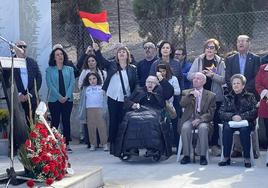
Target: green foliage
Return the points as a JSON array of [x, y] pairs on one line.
[[70, 8], [236, 20], [162, 19]]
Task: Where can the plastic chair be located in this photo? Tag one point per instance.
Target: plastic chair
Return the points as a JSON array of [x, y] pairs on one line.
[[237, 133]]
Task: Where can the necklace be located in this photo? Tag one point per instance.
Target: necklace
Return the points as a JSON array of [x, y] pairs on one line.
[[149, 96]]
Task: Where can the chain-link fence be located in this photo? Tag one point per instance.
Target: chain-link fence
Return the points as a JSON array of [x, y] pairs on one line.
[[190, 32]]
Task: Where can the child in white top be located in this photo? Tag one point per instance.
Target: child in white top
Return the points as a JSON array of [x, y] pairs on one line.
[[94, 99]]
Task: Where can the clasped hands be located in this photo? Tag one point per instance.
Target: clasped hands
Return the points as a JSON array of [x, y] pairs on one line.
[[136, 106]]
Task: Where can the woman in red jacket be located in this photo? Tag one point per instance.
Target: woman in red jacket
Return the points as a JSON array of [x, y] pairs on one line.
[[262, 89]]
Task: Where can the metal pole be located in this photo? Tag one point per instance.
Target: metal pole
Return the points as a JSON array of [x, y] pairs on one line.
[[118, 17]]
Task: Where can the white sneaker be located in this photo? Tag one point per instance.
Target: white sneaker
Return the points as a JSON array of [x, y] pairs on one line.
[[92, 148], [105, 147]]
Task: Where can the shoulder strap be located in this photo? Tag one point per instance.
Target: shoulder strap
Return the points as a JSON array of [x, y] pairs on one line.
[[122, 82]]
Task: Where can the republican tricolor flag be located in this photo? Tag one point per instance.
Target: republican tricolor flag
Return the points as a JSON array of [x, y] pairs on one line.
[[96, 25]]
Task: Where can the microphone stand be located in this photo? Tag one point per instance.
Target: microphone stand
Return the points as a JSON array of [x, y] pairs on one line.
[[12, 176]]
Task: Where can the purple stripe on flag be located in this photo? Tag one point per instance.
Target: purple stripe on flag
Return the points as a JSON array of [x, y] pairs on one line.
[[97, 34]]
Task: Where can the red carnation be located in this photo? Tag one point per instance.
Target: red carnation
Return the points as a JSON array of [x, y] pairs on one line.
[[45, 157], [46, 169], [43, 132], [39, 126], [36, 160], [49, 181], [56, 173], [59, 158], [60, 177], [52, 167], [33, 135], [30, 183], [28, 143]]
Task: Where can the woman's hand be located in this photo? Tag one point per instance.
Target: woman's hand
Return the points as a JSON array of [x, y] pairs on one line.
[[63, 100], [96, 46], [135, 106], [159, 76]]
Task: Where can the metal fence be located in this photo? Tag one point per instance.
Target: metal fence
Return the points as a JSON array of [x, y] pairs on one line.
[[191, 32]]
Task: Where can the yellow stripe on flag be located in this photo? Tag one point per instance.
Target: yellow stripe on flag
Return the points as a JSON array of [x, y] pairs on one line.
[[104, 26]]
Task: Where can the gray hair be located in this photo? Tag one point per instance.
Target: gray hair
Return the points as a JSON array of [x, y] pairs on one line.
[[239, 76]]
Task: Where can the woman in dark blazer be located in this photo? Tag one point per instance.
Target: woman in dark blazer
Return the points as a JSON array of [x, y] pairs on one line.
[[113, 86], [60, 83]]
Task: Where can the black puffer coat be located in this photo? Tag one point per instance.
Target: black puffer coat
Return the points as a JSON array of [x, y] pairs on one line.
[[143, 128], [245, 106]]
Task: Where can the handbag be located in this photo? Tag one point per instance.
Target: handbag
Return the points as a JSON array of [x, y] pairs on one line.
[[171, 110], [238, 124]]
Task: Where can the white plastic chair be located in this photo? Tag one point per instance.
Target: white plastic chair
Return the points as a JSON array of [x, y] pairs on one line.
[[237, 133]]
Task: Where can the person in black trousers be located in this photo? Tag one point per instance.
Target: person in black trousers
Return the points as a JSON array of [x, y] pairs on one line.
[[115, 90], [238, 105]]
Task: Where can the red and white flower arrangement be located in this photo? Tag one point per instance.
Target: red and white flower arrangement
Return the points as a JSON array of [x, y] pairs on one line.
[[44, 154]]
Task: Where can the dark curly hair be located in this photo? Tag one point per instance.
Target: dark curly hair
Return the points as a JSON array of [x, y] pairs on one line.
[[52, 61]]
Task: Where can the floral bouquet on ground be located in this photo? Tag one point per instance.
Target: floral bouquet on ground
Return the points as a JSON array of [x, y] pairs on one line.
[[43, 154], [4, 117]]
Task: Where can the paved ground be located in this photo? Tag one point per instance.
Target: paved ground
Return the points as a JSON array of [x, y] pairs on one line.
[[143, 173]]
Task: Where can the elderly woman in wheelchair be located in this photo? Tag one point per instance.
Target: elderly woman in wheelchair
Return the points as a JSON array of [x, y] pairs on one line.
[[144, 125]]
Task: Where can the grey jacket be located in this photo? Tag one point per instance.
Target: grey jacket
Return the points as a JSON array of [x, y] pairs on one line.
[[217, 80]]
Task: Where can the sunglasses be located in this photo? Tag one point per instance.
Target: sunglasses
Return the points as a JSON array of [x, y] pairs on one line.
[[210, 47], [178, 54], [22, 46]]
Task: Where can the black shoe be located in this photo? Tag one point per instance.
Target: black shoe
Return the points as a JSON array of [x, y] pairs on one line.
[[203, 160], [185, 160], [225, 163], [267, 164], [247, 164]]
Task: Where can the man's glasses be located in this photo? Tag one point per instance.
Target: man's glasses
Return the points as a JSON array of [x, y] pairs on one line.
[[22, 46], [147, 47], [178, 54], [210, 47]]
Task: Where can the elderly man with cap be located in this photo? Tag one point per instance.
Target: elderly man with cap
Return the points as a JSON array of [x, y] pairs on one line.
[[28, 81]]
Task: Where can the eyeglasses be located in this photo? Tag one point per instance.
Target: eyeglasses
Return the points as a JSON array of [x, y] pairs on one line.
[[22, 46], [178, 54], [147, 47], [210, 47]]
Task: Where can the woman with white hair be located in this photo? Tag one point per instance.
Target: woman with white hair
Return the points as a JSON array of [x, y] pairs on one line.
[[238, 113]]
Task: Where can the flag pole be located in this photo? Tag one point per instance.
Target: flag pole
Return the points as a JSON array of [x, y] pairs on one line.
[[92, 38]]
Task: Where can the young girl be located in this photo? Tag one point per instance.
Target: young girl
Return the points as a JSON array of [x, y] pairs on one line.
[[94, 103]]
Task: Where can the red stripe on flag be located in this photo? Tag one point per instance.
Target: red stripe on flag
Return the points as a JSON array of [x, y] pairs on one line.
[[97, 18]]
